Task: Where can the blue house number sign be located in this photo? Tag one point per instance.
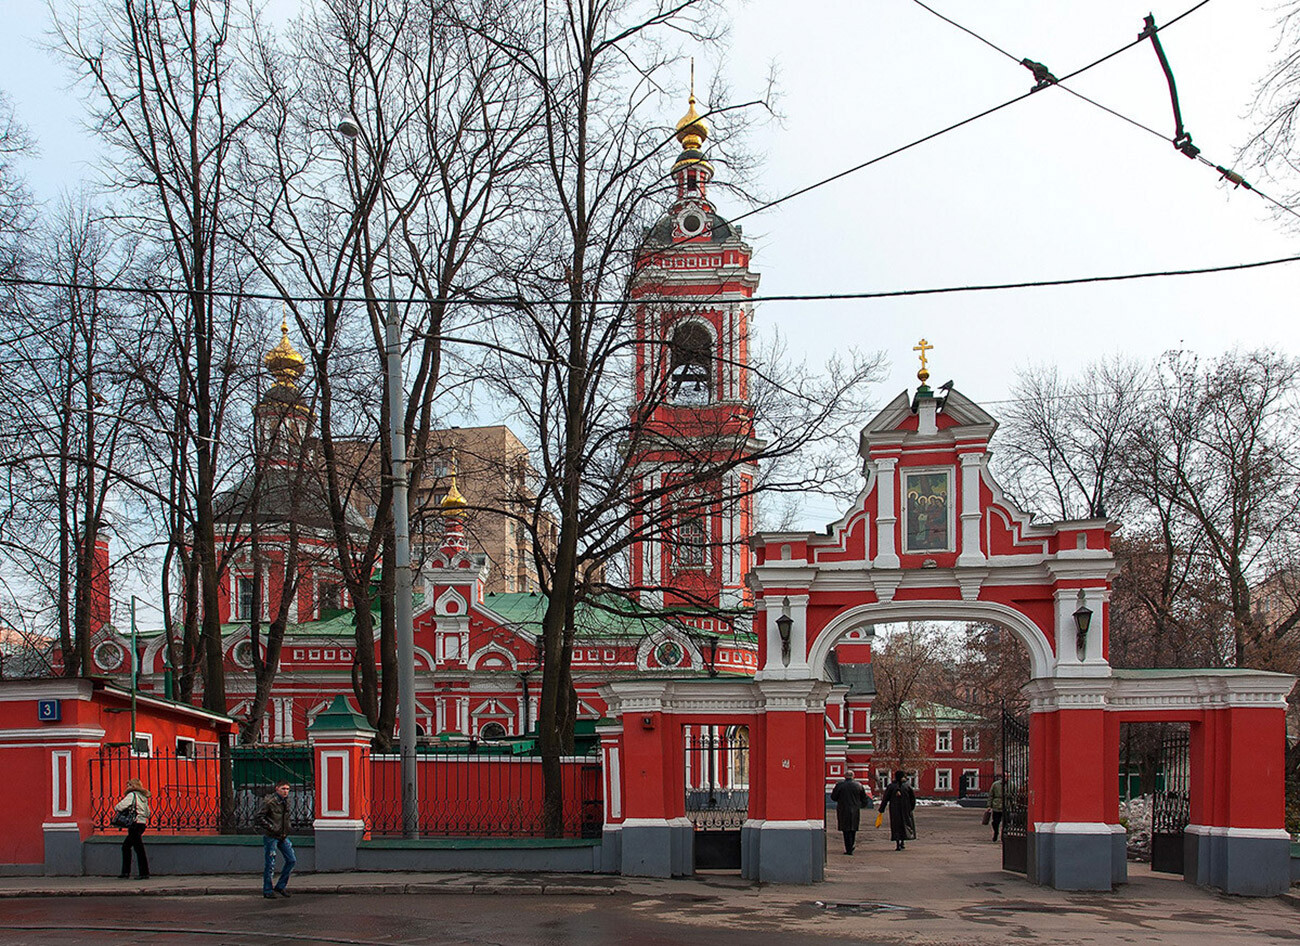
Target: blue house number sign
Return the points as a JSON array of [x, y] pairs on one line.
[[49, 711]]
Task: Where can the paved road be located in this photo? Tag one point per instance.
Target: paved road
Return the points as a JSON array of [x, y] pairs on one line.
[[946, 888]]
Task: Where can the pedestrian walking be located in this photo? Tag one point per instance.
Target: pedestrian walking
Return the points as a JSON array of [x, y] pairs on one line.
[[850, 798], [132, 813], [900, 800], [274, 822], [997, 803]]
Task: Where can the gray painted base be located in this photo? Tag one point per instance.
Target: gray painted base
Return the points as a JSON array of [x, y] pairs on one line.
[[436, 855], [21, 870], [658, 850], [1250, 867], [1075, 861], [178, 856], [63, 851], [611, 850], [336, 848], [782, 854]]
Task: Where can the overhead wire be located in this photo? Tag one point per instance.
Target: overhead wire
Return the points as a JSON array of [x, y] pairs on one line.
[[1225, 172], [959, 124], [790, 297]]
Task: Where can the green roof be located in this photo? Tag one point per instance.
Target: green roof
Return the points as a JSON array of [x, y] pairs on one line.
[[619, 619], [939, 711]]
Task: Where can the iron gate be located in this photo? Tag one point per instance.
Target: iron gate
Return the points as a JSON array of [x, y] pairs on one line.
[[717, 792], [1015, 793], [1171, 806]]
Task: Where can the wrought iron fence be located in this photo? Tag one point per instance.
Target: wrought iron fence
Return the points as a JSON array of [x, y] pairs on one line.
[[201, 790], [717, 777], [1015, 793], [1171, 807], [484, 794]]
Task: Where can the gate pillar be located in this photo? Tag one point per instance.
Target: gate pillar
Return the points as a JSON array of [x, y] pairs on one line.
[[1075, 841], [784, 840], [655, 837], [1236, 840]]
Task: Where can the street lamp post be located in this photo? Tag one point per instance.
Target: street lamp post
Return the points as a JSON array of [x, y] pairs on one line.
[[401, 547]]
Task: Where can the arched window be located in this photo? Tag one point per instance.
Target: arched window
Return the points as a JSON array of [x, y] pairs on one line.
[[493, 731], [691, 541], [691, 367]]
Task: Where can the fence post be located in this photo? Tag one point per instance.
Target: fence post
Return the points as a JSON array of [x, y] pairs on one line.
[[340, 742]]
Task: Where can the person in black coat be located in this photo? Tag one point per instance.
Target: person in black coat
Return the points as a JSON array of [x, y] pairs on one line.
[[850, 798], [900, 800]]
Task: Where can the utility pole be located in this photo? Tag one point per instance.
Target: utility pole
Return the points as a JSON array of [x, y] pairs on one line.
[[401, 537]]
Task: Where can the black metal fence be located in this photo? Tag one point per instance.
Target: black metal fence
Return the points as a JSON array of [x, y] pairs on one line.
[[204, 789], [1015, 793], [1171, 807], [484, 794], [717, 777]]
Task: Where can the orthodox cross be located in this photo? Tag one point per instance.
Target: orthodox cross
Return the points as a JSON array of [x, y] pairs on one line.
[[923, 347]]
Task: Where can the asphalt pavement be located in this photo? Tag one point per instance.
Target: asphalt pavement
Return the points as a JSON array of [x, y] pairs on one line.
[[946, 888]]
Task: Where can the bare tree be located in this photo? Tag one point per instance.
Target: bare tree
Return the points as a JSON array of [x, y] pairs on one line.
[[63, 438], [1063, 440], [163, 94], [906, 663], [1220, 443], [564, 350], [417, 198]]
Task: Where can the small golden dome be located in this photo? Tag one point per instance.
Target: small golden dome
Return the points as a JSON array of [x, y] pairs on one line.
[[283, 360], [691, 129], [453, 504]]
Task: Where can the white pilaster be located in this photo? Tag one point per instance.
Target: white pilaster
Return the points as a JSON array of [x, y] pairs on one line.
[[886, 513], [971, 467]]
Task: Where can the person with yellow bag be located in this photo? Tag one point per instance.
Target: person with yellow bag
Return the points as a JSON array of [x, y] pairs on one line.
[[901, 801]]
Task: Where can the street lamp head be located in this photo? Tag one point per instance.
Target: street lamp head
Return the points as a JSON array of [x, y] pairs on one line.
[[784, 625], [348, 128]]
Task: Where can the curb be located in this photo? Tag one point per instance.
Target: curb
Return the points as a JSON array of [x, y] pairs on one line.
[[570, 890]]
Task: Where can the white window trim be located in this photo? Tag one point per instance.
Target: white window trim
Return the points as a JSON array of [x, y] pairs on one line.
[[148, 739], [946, 776], [975, 785], [938, 745], [193, 746], [970, 742]]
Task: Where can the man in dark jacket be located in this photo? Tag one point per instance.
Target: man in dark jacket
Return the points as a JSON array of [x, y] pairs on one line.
[[900, 800], [850, 798], [274, 822]]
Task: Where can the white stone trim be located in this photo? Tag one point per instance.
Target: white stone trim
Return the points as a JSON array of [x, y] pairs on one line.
[[61, 783], [338, 824], [1261, 834], [769, 825], [327, 809], [648, 822], [1076, 827], [1178, 691], [53, 734], [1041, 659]]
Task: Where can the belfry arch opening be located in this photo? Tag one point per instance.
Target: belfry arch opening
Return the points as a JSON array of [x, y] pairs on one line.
[[690, 367]]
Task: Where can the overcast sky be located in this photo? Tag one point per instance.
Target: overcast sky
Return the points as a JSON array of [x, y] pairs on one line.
[[1048, 188]]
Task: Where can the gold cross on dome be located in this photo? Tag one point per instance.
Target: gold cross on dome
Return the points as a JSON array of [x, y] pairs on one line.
[[923, 347]]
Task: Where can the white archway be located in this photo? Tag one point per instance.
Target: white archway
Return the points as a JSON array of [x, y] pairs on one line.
[[1042, 662]]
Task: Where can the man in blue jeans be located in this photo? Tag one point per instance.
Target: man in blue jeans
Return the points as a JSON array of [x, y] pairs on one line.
[[274, 821]]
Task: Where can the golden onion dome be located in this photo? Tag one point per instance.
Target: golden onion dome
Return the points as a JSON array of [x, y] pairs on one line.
[[453, 504], [283, 360], [692, 130]]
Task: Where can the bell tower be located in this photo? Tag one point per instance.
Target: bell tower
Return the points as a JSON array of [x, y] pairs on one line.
[[692, 415]]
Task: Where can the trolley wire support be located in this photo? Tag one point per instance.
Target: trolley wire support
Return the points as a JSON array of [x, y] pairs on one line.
[[1182, 137]]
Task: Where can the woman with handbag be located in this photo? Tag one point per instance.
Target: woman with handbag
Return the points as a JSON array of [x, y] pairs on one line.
[[132, 813]]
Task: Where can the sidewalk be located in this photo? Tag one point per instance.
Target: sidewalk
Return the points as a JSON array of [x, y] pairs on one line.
[[947, 887]]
